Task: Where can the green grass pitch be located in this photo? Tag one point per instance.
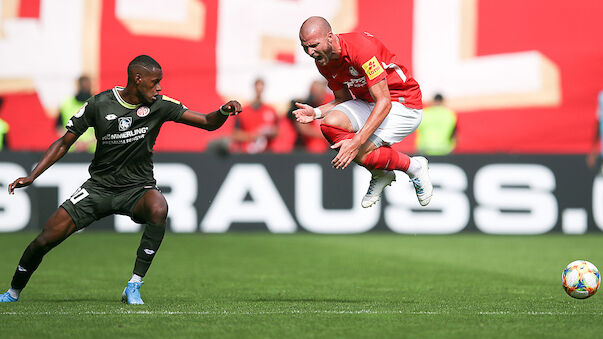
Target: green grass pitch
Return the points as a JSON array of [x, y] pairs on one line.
[[304, 285]]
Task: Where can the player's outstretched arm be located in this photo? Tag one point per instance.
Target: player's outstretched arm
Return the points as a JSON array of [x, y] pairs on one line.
[[213, 120], [52, 155], [306, 113]]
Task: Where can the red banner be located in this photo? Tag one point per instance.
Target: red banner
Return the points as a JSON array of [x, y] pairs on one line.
[[522, 75]]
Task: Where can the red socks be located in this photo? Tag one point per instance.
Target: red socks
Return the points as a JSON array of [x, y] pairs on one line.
[[386, 158], [383, 157]]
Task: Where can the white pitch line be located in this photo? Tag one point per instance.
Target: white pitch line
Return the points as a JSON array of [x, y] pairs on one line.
[[128, 312]]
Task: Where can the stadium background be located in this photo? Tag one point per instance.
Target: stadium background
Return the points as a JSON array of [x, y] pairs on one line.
[[523, 76]]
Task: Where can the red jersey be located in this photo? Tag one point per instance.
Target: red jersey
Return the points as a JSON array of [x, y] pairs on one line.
[[365, 61], [256, 119]]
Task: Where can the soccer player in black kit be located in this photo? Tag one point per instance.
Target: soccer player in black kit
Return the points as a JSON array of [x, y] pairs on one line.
[[126, 123]]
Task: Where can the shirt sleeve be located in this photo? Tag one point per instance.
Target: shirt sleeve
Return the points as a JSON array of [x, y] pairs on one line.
[[83, 119], [173, 108], [365, 58]]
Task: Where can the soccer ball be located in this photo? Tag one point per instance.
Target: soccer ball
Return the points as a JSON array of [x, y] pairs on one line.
[[580, 279]]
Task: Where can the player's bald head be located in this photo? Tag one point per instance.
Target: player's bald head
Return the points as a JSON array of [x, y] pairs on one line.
[[314, 26], [318, 40]]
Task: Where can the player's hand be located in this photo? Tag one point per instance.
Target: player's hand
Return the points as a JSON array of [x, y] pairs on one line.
[[21, 182], [233, 107], [304, 113], [348, 150]]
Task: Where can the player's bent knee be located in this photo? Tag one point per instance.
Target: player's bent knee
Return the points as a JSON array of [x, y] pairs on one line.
[[338, 119], [329, 121], [158, 214]]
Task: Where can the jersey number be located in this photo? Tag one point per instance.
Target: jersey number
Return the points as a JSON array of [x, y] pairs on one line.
[[79, 194]]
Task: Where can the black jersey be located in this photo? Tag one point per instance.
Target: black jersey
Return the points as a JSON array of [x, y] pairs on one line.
[[125, 136]]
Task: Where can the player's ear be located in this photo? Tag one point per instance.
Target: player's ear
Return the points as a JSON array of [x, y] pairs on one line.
[[138, 78]]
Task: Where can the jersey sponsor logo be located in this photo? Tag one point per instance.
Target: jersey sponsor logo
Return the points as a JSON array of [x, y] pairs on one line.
[[81, 111], [125, 137], [124, 123], [372, 68], [358, 82], [166, 98], [110, 117], [143, 111], [353, 71]]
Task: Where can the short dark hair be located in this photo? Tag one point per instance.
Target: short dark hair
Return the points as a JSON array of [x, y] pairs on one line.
[[144, 61], [438, 98]]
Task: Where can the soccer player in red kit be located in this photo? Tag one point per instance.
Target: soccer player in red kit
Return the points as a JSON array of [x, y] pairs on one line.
[[255, 130], [377, 104]]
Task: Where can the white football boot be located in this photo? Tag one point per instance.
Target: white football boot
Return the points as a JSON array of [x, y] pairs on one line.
[[380, 179], [422, 182]]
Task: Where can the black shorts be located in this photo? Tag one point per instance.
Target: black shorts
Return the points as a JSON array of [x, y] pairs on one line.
[[91, 202]]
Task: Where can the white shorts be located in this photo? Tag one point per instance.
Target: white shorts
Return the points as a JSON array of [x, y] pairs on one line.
[[398, 124]]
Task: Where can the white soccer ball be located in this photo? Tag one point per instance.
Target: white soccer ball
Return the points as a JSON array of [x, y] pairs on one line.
[[580, 279]]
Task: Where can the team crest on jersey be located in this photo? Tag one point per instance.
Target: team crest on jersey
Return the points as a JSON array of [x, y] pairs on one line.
[[143, 111], [353, 71], [124, 123]]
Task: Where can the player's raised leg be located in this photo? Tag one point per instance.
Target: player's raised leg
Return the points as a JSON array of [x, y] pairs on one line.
[[58, 228], [381, 161], [422, 182], [387, 159], [152, 209], [380, 179]]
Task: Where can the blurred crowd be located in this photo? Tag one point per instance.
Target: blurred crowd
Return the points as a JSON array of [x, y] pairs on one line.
[[264, 128]]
